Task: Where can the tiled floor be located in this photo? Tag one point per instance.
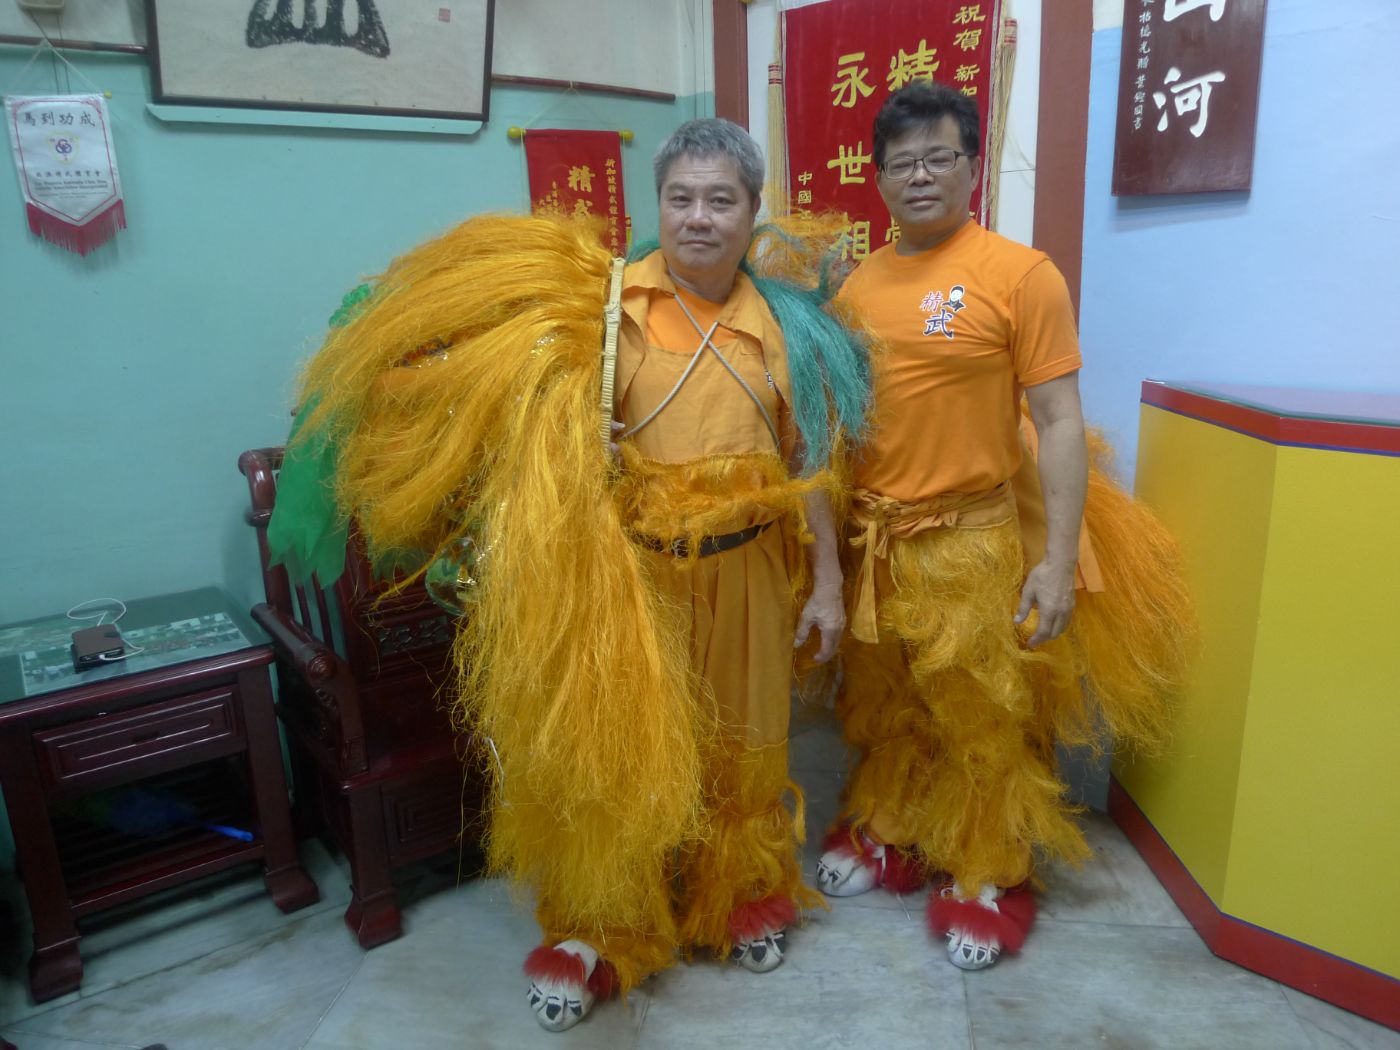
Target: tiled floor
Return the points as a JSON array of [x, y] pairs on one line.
[[1111, 963]]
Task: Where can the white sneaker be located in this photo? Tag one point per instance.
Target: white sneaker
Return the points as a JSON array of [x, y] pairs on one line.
[[966, 950], [761, 955], [559, 1003], [841, 872]]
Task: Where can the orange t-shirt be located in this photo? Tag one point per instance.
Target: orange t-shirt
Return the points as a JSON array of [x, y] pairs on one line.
[[965, 326]]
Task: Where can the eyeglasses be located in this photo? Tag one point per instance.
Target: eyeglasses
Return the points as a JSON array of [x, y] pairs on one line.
[[935, 162]]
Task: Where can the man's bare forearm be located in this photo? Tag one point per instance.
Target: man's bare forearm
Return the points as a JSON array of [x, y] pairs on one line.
[[1064, 479], [822, 554]]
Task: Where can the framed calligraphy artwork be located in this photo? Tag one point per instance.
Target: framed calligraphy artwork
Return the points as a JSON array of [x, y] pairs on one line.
[[842, 59], [1188, 96], [390, 57]]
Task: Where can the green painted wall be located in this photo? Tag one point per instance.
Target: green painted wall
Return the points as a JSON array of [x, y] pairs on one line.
[[134, 377]]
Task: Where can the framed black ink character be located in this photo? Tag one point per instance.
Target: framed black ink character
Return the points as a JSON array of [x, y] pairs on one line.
[[418, 58]]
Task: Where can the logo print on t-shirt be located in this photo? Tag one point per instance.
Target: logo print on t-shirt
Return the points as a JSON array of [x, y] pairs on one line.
[[942, 310]]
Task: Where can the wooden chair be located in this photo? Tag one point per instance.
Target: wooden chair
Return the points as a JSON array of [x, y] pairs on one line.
[[363, 696]]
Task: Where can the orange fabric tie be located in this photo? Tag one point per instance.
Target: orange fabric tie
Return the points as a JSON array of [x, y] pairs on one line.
[[881, 517]]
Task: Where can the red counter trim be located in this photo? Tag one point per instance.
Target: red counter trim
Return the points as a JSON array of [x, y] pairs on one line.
[[1353, 987], [1333, 435]]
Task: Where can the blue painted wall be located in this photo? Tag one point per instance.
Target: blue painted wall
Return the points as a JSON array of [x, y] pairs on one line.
[[134, 377], [1295, 283]]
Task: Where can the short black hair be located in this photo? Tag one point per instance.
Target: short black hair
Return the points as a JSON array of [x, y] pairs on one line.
[[920, 105]]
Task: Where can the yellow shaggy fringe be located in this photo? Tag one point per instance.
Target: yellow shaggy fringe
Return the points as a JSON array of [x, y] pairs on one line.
[[958, 745], [567, 667], [463, 399], [958, 751], [687, 501], [752, 850], [1138, 634]]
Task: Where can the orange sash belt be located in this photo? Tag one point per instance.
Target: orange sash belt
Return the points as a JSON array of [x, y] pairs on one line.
[[881, 517]]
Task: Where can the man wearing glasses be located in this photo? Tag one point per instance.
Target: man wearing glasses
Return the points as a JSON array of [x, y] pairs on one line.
[[959, 675]]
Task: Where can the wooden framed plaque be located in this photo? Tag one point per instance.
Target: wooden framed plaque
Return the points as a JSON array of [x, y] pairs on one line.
[[1188, 96]]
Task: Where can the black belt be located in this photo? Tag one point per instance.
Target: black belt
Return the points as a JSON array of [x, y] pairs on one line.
[[708, 544]]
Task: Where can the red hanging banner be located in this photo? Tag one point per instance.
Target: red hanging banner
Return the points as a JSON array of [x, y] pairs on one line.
[[67, 167], [579, 173], [842, 58]]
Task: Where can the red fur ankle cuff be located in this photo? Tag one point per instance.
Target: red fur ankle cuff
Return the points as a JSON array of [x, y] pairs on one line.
[[904, 871], [603, 982], [752, 921], [846, 840], [1007, 926], [556, 965]]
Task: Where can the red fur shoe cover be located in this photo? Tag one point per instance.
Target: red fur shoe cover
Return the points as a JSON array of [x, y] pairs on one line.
[[1007, 926], [898, 871], [553, 964], [758, 919]]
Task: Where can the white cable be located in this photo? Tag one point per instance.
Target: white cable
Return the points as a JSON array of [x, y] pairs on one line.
[[101, 616]]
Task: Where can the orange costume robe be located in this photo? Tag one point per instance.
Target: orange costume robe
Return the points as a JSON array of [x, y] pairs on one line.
[[954, 719], [709, 464]]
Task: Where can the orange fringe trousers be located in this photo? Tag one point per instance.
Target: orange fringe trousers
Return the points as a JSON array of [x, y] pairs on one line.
[[956, 722]]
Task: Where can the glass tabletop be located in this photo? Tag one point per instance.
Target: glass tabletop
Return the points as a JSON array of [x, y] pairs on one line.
[[1341, 406], [159, 632]]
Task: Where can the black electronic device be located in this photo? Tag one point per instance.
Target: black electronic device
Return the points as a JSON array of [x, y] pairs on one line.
[[94, 646]]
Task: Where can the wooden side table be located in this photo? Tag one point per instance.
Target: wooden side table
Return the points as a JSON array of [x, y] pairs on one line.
[[141, 774]]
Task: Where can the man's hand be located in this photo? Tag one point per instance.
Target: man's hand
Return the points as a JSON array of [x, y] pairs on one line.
[[1049, 588], [827, 612]]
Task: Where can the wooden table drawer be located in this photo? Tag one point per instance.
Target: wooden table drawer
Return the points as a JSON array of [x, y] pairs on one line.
[[100, 747]]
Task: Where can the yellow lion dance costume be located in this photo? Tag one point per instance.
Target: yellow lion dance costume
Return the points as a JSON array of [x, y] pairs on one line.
[[454, 412]]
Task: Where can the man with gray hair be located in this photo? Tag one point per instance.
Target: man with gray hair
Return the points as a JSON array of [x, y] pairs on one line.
[[630, 617], [732, 485]]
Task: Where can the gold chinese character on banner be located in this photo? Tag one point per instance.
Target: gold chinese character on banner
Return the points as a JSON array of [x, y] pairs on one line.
[[971, 89], [892, 233], [804, 196], [582, 209], [968, 39], [968, 14], [855, 240], [919, 64], [851, 85], [848, 162], [805, 177], [549, 204], [966, 73], [581, 179]]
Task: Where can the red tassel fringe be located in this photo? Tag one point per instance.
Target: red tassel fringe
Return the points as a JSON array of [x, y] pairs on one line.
[[749, 922], [1008, 927], [82, 239]]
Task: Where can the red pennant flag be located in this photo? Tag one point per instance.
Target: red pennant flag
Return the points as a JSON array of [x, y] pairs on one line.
[[579, 174]]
